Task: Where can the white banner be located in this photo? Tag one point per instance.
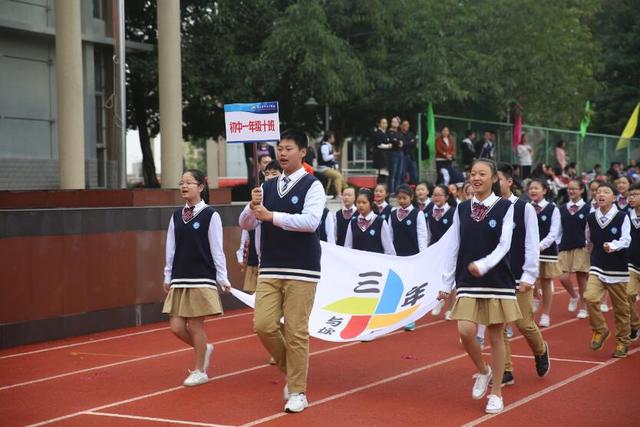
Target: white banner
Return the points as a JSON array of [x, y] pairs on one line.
[[255, 122], [363, 295]]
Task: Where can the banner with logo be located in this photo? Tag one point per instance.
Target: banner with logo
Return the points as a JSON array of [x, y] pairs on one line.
[[364, 295], [254, 122]]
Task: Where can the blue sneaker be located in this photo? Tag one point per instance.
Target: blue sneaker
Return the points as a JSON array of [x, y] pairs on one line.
[[509, 332], [410, 327], [480, 341]]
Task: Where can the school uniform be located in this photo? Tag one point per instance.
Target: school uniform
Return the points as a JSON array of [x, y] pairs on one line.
[[248, 257], [289, 269], [326, 229], [622, 203], [195, 262], [439, 220], [573, 255], [609, 271], [371, 234], [409, 230], [384, 211], [422, 206], [633, 287], [482, 235], [523, 262], [550, 231], [343, 219]]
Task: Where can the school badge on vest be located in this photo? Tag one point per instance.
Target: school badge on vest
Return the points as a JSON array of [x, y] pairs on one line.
[[372, 232], [408, 222], [614, 230], [196, 225], [384, 216], [493, 223], [446, 221], [295, 200], [543, 217], [581, 216]]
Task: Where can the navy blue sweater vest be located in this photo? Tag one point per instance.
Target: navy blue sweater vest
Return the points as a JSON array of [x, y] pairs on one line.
[[405, 233], [385, 213], [192, 262], [573, 227], [477, 240], [322, 228], [288, 254], [614, 265], [369, 240], [252, 255], [438, 228], [518, 239], [322, 161], [544, 227], [634, 248], [341, 226]]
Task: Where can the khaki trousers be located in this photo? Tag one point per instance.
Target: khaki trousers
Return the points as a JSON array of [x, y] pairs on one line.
[[335, 176], [527, 327], [292, 299], [618, 292], [632, 292]]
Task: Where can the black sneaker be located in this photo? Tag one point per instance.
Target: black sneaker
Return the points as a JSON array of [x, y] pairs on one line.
[[633, 335], [543, 363], [507, 378]]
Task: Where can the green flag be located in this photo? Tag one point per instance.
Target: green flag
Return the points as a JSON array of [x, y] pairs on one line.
[[586, 120], [431, 130]]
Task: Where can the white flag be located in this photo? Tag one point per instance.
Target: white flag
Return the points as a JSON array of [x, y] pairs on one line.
[[363, 295]]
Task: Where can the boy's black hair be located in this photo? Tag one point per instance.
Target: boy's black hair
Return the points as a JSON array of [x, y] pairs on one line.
[[609, 186], [506, 169], [273, 165], [635, 186], [201, 179], [297, 136]]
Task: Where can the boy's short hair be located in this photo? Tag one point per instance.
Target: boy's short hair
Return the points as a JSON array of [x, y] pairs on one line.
[[506, 169], [297, 136], [609, 186], [635, 187], [273, 165]]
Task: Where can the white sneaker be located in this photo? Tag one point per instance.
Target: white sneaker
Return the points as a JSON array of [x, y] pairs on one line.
[[285, 393], [297, 403], [535, 305], [207, 357], [447, 315], [604, 307], [436, 311], [573, 304], [481, 383], [196, 378], [582, 314], [495, 404], [545, 321]]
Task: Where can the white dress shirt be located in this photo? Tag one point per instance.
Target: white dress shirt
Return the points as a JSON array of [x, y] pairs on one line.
[[386, 235], [579, 204], [531, 244], [446, 208], [614, 245], [330, 227], [488, 262], [421, 227], [215, 245], [555, 232], [244, 238]]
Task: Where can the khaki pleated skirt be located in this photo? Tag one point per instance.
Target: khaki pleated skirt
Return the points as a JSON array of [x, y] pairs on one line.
[[192, 302], [486, 311], [574, 260], [549, 270], [250, 278]]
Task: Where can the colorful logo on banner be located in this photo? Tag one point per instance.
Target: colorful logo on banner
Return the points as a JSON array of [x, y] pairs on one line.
[[254, 122], [358, 315]]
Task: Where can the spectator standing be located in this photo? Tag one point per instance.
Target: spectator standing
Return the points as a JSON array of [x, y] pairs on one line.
[[381, 146], [525, 156], [561, 154], [445, 153], [468, 149], [396, 161], [410, 151], [485, 148]]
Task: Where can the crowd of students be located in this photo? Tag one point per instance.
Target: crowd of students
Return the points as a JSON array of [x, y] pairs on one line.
[[508, 244]]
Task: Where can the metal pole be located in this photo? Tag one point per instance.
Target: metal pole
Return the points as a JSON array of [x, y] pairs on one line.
[[121, 94], [326, 118]]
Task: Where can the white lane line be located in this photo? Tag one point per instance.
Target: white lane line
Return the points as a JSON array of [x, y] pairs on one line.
[[547, 390], [131, 334], [110, 365], [160, 420], [229, 374], [386, 380], [557, 359]]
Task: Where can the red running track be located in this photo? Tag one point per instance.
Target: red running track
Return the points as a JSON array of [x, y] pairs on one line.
[[132, 377]]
